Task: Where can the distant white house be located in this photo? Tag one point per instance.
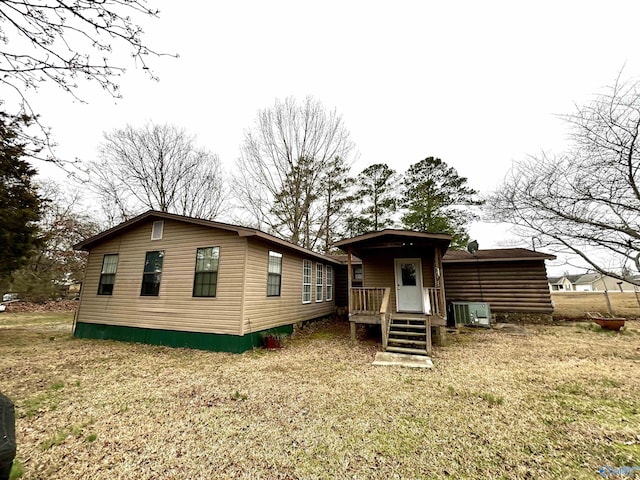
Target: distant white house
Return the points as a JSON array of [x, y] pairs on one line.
[[563, 283], [589, 282]]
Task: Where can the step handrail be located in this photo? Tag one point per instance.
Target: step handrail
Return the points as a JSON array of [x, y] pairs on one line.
[[384, 317]]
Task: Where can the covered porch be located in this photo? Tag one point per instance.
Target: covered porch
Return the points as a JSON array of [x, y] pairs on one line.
[[402, 286]]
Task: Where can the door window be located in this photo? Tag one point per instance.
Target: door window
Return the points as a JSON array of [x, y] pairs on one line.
[[408, 271]]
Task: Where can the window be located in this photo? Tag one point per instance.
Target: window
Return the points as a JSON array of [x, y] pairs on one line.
[[205, 280], [357, 272], [306, 281], [329, 282], [156, 230], [108, 274], [357, 275], [152, 273], [319, 270], [274, 274]]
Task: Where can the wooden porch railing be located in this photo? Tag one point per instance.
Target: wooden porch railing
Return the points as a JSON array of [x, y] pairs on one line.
[[433, 302], [384, 317], [370, 302], [367, 301]]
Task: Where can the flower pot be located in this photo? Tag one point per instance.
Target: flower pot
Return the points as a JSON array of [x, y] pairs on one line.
[[272, 342], [614, 324]]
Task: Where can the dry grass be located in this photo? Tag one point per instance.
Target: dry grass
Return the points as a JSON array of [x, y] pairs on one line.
[[575, 304], [558, 403]]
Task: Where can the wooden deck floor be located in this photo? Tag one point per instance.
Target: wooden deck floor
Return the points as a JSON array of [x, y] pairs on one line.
[[375, 319]]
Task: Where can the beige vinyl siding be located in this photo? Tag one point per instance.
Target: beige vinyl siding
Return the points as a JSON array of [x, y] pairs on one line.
[[262, 312], [379, 269], [174, 308]]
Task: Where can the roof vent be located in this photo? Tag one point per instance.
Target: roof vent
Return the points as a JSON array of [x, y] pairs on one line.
[[156, 230]]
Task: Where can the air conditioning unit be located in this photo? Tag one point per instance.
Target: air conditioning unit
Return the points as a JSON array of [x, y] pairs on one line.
[[471, 313]]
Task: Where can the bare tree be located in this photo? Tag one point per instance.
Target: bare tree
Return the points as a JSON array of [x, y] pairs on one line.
[[585, 202], [59, 41], [156, 167], [283, 164], [54, 263]]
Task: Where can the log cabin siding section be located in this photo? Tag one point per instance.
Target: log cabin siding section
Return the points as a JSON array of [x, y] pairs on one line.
[[379, 269], [262, 312], [508, 287], [174, 308]]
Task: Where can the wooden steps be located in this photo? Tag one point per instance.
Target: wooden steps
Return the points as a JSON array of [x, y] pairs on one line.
[[412, 351], [408, 334], [412, 341]]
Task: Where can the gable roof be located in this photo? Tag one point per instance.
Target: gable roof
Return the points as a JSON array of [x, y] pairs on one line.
[[573, 278], [495, 255], [393, 238], [89, 243], [587, 278]]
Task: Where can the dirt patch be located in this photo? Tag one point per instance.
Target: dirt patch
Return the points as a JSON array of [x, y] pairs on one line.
[[559, 403], [28, 307]]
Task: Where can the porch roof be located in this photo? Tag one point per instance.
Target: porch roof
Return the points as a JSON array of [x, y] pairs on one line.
[[495, 255], [391, 238]]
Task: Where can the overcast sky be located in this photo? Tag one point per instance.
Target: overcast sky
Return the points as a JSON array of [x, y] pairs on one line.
[[478, 84]]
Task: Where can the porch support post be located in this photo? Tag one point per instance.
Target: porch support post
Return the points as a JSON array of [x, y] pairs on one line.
[[352, 325], [442, 307]]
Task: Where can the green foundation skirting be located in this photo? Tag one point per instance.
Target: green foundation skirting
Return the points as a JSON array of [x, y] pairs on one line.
[[173, 338]]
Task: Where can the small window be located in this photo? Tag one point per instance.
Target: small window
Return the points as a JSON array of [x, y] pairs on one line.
[[357, 272], [108, 274], [306, 281], [319, 284], [156, 230], [205, 279], [152, 273], [329, 283], [274, 274]]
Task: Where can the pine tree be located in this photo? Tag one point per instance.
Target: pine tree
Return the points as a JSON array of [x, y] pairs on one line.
[[376, 195], [19, 200], [436, 199]]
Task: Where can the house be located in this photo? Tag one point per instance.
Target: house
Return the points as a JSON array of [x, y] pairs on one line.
[[564, 283], [172, 280], [596, 282], [513, 281], [401, 286], [590, 282]]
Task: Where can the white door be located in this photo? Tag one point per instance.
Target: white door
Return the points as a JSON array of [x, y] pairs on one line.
[[409, 285]]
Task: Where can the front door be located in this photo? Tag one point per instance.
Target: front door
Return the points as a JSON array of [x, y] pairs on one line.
[[409, 285]]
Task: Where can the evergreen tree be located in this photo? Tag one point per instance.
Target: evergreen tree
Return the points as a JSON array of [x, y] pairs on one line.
[[19, 200], [436, 199], [375, 194], [336, 197]]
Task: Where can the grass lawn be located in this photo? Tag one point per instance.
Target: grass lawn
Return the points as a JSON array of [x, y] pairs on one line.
[[575, 304], [558, 402]]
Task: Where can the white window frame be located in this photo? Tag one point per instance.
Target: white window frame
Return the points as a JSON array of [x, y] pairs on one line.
[[274, 269], [319, 282], [306, 281], [329, 282]]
